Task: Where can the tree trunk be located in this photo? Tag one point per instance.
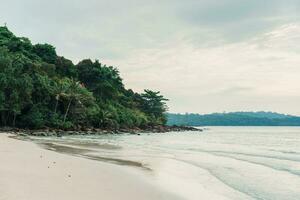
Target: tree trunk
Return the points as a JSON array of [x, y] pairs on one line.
[[67, 111], [7, 118], [56, 104], [3, 118], [14, 120]]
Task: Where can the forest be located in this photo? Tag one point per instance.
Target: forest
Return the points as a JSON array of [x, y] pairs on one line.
[[39, 89], [234, 119]]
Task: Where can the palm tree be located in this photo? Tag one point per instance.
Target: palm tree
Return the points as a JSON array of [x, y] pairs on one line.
[[76, 93], [58, 90]]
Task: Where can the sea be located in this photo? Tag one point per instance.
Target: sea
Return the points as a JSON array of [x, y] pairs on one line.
[[223, 163]]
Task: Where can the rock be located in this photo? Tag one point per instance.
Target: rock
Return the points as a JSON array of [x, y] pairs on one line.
[[22, 134], [59, 134]]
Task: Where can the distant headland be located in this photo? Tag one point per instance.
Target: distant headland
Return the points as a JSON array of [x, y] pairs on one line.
[[234, 119]]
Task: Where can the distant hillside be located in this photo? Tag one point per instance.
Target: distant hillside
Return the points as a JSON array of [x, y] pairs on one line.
[[234, 119]]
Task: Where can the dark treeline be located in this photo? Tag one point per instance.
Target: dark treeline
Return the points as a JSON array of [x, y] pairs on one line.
[[40, 89], [234, 119]]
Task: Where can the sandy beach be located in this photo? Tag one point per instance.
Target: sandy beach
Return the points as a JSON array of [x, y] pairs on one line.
[[28, 172]]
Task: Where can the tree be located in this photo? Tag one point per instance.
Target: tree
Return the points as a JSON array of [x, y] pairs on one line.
[[16, 87], [75, 93], [103, 81], [154, 105], [65, 68], [46, 52]]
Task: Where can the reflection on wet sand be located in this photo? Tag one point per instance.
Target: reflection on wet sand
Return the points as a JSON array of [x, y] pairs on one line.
[[71, 150]]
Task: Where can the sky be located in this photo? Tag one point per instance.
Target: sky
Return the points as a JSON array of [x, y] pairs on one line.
[[204, 55]]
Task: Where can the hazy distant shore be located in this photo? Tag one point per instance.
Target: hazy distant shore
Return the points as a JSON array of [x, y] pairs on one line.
[[234, 119], [30, 172]]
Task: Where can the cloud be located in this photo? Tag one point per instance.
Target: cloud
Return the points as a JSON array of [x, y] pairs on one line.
[[252, 74], [114, 28], [206, 56]]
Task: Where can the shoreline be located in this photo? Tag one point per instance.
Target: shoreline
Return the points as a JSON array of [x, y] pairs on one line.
[[94, 131], [30, 172]]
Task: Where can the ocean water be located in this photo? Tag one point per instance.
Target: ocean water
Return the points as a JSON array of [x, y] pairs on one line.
[[220, 163]]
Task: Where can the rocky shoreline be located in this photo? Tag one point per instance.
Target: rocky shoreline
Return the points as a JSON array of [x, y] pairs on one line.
[[93, 131]]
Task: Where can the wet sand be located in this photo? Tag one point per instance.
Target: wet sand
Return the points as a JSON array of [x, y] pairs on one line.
[[29, 172], [81, 152]]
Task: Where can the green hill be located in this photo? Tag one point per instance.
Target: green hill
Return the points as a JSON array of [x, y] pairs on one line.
[[234, 119], [39, 88]]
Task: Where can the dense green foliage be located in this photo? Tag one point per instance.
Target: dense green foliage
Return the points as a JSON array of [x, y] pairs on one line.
[[40, 89], [234, 119]]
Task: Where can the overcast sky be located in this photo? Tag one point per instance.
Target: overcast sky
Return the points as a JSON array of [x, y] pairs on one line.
[[204, 55]]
